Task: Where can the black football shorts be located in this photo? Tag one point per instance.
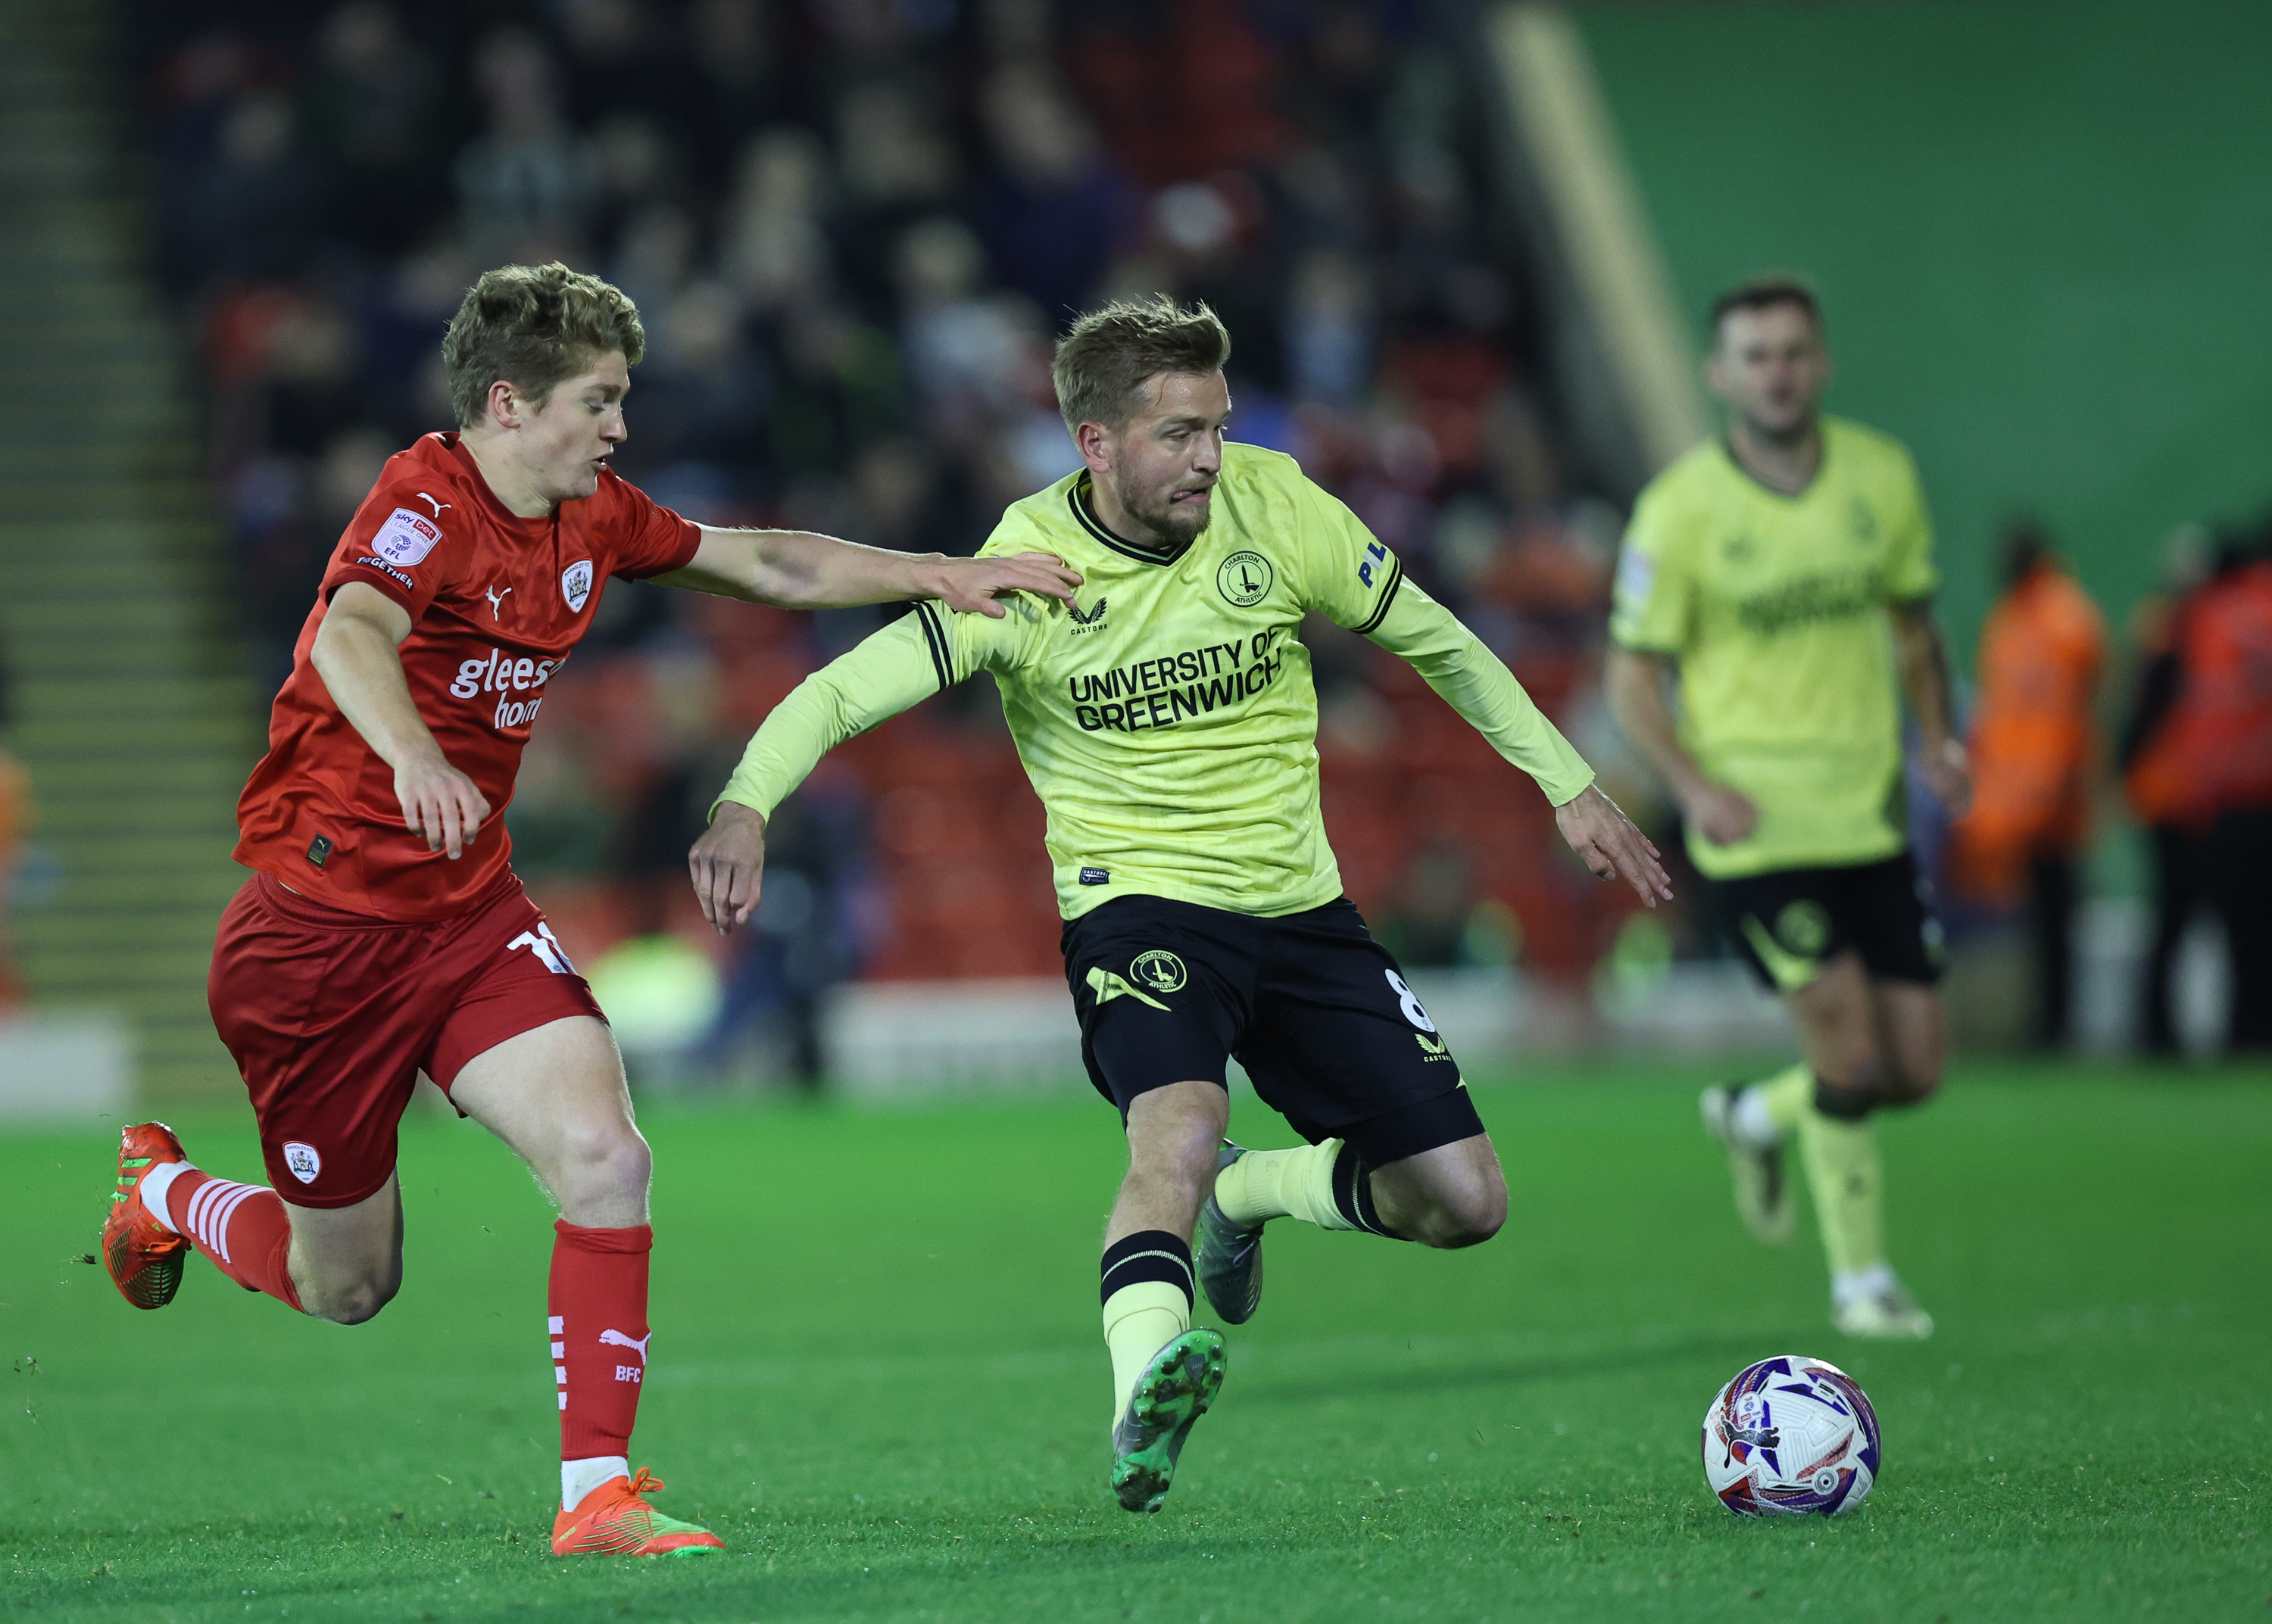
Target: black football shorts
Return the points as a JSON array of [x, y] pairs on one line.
[[1787, 923], [1315, 1009]]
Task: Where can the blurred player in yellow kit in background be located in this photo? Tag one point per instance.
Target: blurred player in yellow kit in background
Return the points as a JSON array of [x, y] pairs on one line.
[[1783, 577]]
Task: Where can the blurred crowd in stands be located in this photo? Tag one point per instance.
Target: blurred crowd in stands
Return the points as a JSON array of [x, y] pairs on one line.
[[853, 227]]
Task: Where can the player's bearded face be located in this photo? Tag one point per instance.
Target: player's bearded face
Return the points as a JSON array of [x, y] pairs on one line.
[[1770, 367], [1165, 463], [564, 441]]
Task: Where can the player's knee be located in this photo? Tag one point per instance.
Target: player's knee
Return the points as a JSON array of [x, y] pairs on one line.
[[1851, 1092], [1907, 1087], [1174, 1140], [1465, 1215], [353, 1300], [1183, 1159], [363, 1302], [603, 1159]]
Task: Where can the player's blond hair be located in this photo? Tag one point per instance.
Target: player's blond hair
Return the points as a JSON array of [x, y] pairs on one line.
[[1105, 361], [534, 326]]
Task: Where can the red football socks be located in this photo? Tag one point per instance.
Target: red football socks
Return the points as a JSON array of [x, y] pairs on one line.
[[242, 1227], [598, 1309]]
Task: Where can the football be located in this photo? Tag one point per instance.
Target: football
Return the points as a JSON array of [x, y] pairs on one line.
[[1790, 1436]]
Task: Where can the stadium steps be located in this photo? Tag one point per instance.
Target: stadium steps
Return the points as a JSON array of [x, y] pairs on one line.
[[128, 712]]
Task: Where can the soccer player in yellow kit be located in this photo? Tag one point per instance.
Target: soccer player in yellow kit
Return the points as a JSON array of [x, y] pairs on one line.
[[1785, 575], [1168, 720]]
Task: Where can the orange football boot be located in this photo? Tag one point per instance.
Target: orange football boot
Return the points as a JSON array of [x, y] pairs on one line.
[[613, 1521], [144, 1256]]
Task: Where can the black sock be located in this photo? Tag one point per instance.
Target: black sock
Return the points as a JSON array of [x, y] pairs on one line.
[[1843, 1105], [1353, 1193], [1148, 1255]]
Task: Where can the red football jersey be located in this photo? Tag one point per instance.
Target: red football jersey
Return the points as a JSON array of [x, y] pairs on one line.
[[497, 603]]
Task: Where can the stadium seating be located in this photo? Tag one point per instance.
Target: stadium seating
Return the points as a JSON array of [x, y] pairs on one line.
[[851, 248], [128, 712]]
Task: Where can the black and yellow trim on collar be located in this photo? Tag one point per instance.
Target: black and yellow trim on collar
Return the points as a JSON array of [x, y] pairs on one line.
[[1076, 499], [935, 637], [1388, 596]]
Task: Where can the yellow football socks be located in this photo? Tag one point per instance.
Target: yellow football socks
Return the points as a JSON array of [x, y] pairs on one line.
[[1844, 1171], [1147, 1292], [1296, 1183], [1140, 1320]]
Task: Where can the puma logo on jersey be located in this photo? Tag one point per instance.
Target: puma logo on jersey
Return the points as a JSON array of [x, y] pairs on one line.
[[496, 600], [616, 1339], [436, 506]]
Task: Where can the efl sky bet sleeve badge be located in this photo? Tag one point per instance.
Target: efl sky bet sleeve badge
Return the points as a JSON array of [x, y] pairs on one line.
[[405, 538], [576, 584]]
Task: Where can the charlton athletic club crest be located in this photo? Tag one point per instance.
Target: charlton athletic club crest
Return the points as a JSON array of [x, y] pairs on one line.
[[1244, 580], [1159, 970], [576, 584], [301, 1161]]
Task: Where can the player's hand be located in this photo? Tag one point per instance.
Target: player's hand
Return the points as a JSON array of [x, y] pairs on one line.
[[1947, 773], [1605, 838], [440, 804], [971, 586], [1721, 815], [728, 864]]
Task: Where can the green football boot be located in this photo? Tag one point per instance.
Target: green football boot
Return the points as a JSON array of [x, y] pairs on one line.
[[1230, 1257], [1174, 1391]]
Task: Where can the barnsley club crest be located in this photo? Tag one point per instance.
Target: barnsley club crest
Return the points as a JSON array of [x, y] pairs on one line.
[[302, 1161], [576, 584]]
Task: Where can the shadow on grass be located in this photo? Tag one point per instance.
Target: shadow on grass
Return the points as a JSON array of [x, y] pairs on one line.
[[1405, 1379]]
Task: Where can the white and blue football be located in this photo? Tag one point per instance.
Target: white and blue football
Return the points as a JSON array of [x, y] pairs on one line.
[[1791, 1436]]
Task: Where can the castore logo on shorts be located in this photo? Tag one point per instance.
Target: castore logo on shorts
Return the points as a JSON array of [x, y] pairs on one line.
[[503, 676]]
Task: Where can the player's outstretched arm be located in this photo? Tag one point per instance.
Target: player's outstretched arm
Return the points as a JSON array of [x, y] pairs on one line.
[[355, 655], [798, 569], [1605, 838]]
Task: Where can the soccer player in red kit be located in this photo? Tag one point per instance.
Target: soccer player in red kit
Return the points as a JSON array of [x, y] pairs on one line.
[[383, 934]]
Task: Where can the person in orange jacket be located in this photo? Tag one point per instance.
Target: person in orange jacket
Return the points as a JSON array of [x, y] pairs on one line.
[[2154, 781], [2033, 751], [2205, 753]]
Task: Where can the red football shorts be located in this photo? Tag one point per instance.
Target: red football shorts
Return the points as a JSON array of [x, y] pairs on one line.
[[331, 1017]]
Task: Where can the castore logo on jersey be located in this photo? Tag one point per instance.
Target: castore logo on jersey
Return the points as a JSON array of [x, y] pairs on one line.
[[1092, 620]]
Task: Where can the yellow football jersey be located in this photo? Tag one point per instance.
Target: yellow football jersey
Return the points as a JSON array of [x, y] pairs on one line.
[[1168, 719], [1775, 606]]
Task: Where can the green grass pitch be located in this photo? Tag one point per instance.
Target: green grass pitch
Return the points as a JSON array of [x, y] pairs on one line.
[[877, 1373]]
